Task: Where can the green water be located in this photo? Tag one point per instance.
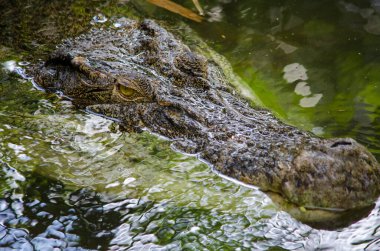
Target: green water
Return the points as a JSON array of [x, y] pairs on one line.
[[71, 180], [336, 42]]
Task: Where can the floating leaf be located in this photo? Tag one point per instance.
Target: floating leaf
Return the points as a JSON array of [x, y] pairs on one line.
[[176, 8]]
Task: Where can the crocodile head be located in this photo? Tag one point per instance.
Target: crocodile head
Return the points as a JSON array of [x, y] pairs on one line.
[[144, 77]]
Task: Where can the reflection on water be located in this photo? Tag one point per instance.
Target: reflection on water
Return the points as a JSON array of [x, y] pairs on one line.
[[52, 141], [370, 14], [294, 72], [85, 184], [302, 89], [337, 44], [297, 73], [74, 180]]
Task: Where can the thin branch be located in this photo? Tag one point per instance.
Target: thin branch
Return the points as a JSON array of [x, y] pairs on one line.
[[199, 7], [176, 8]]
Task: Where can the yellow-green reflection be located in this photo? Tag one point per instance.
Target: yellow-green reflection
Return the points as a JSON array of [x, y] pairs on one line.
[[336, 43]]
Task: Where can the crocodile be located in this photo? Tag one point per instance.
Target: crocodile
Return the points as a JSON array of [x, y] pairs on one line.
[[146, 78]]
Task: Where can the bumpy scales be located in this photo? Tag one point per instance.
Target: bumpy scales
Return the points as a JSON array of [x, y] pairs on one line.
[[143, 76]]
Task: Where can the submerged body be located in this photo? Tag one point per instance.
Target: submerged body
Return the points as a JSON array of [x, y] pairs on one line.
[[143, 76]]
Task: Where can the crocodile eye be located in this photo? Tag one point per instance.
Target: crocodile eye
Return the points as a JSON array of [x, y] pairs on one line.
[[127, 91], [132, 89]]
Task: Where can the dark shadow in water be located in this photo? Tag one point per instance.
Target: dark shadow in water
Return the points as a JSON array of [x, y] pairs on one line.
[[43, 214], [322, 219]]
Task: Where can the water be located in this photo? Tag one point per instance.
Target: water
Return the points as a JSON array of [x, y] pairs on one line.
[[334, 43], [74, 180]]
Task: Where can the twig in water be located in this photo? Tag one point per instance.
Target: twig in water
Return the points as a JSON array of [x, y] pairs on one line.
[[176, 8]]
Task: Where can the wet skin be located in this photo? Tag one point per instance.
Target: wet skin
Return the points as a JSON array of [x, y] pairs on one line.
[[146, 78]]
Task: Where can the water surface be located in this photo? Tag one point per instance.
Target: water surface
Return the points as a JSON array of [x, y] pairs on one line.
[[74, 180]]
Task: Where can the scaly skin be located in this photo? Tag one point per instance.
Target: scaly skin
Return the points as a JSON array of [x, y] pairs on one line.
[[147, 79]]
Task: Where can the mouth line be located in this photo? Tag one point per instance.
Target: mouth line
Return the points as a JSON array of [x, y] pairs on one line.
[[328, 209], [281, 199], [89, 111]]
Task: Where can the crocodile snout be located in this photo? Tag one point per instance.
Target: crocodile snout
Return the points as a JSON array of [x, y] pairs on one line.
[[339, 174]]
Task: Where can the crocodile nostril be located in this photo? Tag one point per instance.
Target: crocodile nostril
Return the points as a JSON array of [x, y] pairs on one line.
[[341, 143]]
